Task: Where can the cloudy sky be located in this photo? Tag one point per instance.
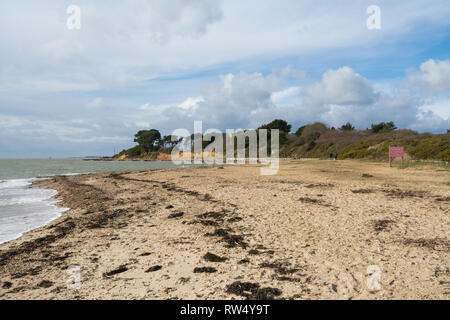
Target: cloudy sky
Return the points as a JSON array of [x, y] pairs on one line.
[[140, 64]]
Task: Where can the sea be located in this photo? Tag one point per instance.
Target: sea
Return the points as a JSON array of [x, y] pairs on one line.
[[24, 207]]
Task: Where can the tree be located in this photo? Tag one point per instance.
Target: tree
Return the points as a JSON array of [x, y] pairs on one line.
[[299, 131], [281, 125], [148, 140], [169, 141], [277, 124], [383, 127], [347, 127]]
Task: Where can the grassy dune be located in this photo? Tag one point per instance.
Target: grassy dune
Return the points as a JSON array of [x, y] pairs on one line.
[[367, 145]]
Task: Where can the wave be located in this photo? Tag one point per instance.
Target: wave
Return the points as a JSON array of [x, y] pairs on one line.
[[24, 208], [15, 183], [10, 197]]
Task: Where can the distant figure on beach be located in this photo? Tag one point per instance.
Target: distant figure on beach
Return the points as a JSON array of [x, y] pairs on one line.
[[331, 156], [335, 156]]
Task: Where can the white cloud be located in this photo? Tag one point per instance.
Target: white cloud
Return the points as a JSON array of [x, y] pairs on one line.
[[247, 100], [157, 20], [400, 109], [433, 75], [145, 106], [103, 139], [131, 54], [342, 87], [242, 100], [42, 131], [238, 100], [288, 95], [122, 43], [116, 39], [440, 107], [427, 121], [191, 103]]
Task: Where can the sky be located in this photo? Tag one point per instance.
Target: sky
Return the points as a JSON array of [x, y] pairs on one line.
[[140, 64]]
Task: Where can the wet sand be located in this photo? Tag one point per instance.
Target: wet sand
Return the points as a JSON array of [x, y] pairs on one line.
[[316, 230]]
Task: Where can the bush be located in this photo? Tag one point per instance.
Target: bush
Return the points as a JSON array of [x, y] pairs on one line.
[[347, 127], [311, 146], [300, 141], [277, 124], [313, 136], [315, 127], [383, 127], [134, 152], [299, 131]]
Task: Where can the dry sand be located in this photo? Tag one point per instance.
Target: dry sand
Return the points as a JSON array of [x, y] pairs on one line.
[[309, 232]]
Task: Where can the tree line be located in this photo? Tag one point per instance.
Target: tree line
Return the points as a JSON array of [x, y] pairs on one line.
[[152, 141]]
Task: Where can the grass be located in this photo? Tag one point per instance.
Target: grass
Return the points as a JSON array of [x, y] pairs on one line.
[[443, 166], [367, 145], [366, 175]]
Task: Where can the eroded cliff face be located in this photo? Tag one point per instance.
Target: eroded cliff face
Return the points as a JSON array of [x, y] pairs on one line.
[[148, 157], [164, 157]]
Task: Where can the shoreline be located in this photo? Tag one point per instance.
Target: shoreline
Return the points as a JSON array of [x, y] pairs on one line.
[[205, 232], [39, 183], [27, 193]]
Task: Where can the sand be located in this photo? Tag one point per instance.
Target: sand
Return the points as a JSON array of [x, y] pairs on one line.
[[316, 230]]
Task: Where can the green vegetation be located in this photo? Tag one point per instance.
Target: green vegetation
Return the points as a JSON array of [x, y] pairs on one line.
[[439, 166], [366, 175], [278, 124], [299, 132], [383, 127], [347, 127], [148, 140], [281, 125], [150, 144], [318, 141]]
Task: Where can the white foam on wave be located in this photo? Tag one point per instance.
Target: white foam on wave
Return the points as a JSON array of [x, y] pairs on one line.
[[23, 196], [15, 183], [23, 209]]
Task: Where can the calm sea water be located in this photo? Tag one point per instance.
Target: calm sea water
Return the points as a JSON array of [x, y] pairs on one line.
[[23, 208]]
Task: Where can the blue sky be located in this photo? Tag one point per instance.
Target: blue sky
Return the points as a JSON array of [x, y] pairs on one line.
[[232, 64]]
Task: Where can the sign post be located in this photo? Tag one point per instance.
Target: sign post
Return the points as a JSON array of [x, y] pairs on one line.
[[396, 152]]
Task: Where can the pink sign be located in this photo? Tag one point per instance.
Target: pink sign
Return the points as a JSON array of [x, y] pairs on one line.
[[396, 152]]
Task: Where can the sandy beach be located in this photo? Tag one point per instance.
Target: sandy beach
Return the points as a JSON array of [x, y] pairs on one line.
[[316, 230]]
